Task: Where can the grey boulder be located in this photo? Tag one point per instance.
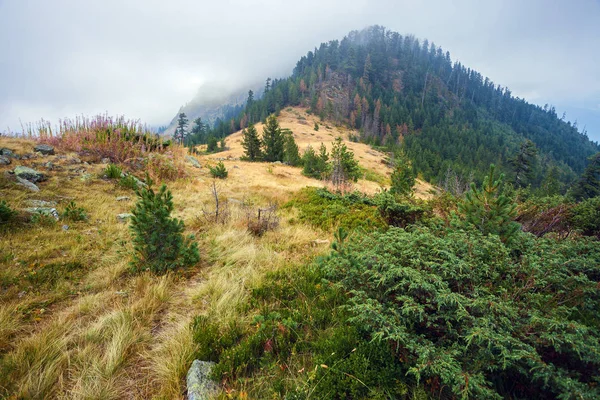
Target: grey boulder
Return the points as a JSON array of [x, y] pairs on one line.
[[27, 185], [4, 160], [122, 218], [45, 149], [199, 384], [29, 174], [194, 161]]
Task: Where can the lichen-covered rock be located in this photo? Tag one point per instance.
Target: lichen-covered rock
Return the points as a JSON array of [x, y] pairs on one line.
[[6, 152], [122, 218], [199, 384], [29, 174], [4, 160], [45, 149], [41, 203], [193, 161], [28, 185], [48, 211]]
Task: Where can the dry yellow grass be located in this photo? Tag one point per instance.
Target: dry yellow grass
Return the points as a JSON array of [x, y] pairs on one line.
[[280, 177], [99, 332], [89, 329]]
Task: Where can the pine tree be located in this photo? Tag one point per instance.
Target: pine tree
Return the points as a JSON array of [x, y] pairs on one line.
[[273, 141], [523, 163], [219, 171], [180, 131], [343, 165], [251, 144], [158, 239], [315, 165], [212, 144], [403, 177], [588, 185], [489, 210], [291, 153]]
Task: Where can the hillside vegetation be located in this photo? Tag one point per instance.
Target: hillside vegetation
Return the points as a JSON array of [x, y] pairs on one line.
[[402, 92]]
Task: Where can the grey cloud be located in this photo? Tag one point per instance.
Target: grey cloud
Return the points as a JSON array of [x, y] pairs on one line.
[[145, 58]]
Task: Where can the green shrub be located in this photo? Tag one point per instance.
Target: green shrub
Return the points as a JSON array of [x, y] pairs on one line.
[[74, 213], [326, 210], [158, 239], [403, 177], [586, 217], [472, 319], [398, 213], [128, 182], [113, 171], [316, 127], [6, 213], [43, 218], [315, 165], [219, 171], [489, 210]]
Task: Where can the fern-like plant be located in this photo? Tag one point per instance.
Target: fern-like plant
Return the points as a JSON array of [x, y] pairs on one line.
[[159, 244]]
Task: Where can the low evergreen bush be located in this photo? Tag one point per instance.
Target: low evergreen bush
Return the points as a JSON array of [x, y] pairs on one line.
[[159, 244]]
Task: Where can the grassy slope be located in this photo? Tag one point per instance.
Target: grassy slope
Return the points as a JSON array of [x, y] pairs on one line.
[[75, 324]]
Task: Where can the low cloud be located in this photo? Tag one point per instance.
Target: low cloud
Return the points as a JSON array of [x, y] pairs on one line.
[[146, 58]]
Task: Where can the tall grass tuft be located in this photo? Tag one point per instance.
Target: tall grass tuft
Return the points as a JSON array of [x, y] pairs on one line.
[[102, 136]]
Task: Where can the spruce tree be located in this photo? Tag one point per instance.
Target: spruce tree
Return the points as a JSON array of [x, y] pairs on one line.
[[489, 210], [251, 144], [343, 163], [291, 153], [588, 185], [158, 239], [273, 140], [180, 131], [403, 177], [523, 163]]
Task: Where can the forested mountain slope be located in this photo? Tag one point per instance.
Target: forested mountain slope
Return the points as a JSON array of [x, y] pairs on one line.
[[400, 91]]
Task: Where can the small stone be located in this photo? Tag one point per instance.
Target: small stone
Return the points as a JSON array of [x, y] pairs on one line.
[[194, 161], [21, 294], [65, 227], [236, 167], [28, 185], [49, 211], [41, 203], [318, 242], [29, 174], [4, 160], [86, 177], [277, 162], [105, 160], [74, 160], [123, 198], [86, 163], [122, 218], [48, 165], [122, 293], [45, 149], [6, 152], [199, 384]]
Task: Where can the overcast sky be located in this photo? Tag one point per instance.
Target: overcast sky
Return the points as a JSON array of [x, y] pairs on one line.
[[146, 58]]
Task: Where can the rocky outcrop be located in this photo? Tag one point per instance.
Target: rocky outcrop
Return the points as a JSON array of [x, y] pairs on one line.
[[45, 149], [29, 174], [199, 384]]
